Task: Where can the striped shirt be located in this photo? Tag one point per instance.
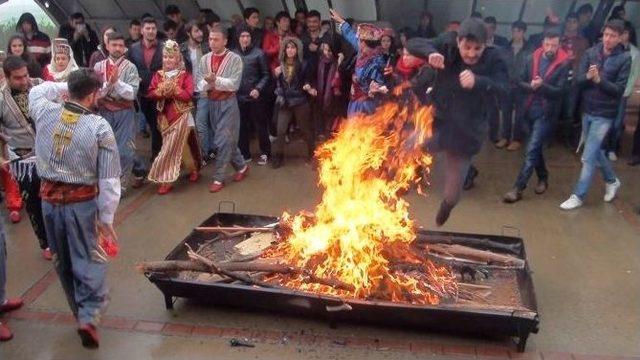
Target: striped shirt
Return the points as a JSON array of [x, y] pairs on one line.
[[73, 145]]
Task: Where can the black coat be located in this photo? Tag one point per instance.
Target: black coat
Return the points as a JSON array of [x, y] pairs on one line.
[[255, 73], [136, 56], [461, 114], [291, 93], [550, 93], [82, 48], [603, 99]]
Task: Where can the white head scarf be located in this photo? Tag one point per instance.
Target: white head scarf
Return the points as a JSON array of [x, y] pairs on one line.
[[61, 46]]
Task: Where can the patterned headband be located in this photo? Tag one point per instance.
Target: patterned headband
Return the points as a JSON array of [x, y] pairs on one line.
[[171, 47]]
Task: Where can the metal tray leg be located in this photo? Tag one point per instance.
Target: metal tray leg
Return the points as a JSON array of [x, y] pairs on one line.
[[523, 336], [168, 301]]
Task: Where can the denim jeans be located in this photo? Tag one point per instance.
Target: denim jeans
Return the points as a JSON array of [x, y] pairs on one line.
[[512, 124], [615, 133], [541, 130], [594, 129]]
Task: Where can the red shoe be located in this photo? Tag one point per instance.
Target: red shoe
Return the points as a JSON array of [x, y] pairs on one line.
[[164, 189], [194, 176], [240, 175], [10, 305], [215, 187], [15, 217], [47, 255], [89, 335], [5, 333]]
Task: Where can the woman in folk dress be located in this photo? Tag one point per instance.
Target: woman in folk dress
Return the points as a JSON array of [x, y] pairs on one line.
[[172, 88]]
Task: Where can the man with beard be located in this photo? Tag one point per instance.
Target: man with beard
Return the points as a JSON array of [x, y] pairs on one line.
[[543, 82], [147, 56], [119, 90], [77, 158], [18, 128], [470, 75]]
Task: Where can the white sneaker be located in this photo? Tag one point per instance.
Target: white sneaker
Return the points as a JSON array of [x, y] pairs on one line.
[[263, 160], [610, 190], [573, 202], [612, 156]]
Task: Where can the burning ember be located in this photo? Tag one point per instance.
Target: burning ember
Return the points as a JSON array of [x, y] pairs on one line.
[[360, 234]]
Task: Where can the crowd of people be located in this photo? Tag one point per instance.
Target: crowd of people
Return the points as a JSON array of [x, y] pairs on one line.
[[71, 108]]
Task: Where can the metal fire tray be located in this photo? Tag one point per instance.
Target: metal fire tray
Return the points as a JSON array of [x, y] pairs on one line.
[[457, 320]]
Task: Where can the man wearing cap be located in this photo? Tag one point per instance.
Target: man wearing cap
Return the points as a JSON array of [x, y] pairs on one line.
[[469, 77], [368, 79], [77, 159]]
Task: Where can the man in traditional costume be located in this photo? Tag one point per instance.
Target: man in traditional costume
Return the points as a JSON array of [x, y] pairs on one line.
[[368, 79], [120, 82], [77, 158], [62, 62], [172, 88], [19, 131], [222, 70]]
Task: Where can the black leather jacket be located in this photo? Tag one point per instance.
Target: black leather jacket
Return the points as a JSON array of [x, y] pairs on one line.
[[255, 73]]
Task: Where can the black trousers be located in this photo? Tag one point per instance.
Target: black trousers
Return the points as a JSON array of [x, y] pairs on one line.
[[253, 117], [148, 108], [30, 192]]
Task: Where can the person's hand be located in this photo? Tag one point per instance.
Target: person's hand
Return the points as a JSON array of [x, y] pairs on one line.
[[388, 70], [211, 78], [596, 74], [277, 71], [106, 230], [340, 58], [336, 16], [254, 93], [313, 47], [467, 79], [536, 83], [591, 73], [114, 77], [306, 87], [313, 92], [436, 61]]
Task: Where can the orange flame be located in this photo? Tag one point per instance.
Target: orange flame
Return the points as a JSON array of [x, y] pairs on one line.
[[362, 224]]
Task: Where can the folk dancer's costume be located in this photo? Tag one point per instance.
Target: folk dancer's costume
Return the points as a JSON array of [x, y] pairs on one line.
[[19, 130], [369, 68], [60, 46], [224, 114], [117, 107], [77, 159], [175, 122]]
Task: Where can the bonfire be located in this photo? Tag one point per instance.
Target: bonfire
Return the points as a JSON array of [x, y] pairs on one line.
[[362, 229]]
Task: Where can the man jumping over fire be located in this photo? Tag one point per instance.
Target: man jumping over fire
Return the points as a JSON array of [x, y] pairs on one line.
[[467, 76]]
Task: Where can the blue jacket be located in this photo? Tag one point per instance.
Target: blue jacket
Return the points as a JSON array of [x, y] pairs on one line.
[[603, 99]]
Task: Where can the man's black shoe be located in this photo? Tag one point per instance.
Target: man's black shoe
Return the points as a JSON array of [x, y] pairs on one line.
[[443, 213], [471, 176]]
